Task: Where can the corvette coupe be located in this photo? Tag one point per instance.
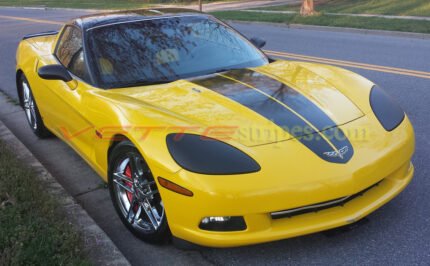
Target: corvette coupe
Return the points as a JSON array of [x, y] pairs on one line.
[[203, 138]]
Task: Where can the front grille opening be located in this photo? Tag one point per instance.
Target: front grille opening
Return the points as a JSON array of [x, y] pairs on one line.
[[319, 206]]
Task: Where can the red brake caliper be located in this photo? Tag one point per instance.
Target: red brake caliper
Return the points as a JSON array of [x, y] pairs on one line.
[[127, 173]]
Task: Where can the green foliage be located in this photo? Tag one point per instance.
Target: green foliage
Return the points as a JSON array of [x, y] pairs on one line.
[[33, 230]]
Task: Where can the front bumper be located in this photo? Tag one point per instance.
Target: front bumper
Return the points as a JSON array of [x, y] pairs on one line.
[[255, 196]]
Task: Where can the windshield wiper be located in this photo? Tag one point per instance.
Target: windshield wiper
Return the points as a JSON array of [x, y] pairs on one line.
[[142, 83], [225, 70]]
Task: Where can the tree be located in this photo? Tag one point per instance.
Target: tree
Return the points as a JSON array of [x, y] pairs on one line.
[[307, 8]]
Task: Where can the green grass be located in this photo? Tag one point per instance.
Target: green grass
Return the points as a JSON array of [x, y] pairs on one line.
[[92, 4], [334, 21], [33, 230], [97, 4], [384, 7]]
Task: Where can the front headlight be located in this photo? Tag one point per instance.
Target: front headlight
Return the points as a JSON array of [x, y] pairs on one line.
[[386, 109], [205, 155]]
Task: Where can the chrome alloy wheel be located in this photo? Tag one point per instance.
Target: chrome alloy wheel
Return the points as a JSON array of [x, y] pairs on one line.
[[137, 194], [29, 106]]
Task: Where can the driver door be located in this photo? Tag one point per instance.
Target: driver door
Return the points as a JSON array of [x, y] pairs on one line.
[[66, 109]]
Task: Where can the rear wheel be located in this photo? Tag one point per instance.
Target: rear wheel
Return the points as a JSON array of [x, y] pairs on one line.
[[31, 110], [135, 194]]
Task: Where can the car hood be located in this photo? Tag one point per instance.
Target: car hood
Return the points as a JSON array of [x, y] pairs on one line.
[[257, 106]]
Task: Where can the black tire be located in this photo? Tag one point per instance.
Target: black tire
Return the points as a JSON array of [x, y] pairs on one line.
[[118, 157], [31, 110]]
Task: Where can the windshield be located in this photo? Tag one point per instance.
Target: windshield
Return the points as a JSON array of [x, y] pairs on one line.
[[167, 49]]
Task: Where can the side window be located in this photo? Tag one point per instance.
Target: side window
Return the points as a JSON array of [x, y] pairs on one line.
[[70, 52]]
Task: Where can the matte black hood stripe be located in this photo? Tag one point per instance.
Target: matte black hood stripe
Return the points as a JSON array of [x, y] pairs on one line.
[[255, 101], [246, 91], [300, 104], [285, 94]]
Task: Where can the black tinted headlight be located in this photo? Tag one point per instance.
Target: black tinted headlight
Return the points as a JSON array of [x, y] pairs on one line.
[[386, 109], [205, 155]]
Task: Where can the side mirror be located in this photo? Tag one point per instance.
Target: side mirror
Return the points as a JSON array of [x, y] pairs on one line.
[[54, 72], [258, 42]]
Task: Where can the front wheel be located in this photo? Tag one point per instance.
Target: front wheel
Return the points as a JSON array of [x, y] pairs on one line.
[[135, 194]]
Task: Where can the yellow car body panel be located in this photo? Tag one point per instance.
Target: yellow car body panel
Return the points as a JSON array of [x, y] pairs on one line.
[[291, 176]]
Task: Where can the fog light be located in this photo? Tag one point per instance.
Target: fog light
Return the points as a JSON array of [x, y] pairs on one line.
[[223, 223]]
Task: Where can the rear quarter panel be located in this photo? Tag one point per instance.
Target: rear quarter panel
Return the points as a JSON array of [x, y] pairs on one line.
[[30, 54]]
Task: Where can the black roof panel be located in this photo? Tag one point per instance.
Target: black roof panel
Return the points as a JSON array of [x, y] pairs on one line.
[[106, 18]]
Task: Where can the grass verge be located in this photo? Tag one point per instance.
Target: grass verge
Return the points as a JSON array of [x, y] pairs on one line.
[[92, 4], [334, 21], [33, 230], [384, 7]]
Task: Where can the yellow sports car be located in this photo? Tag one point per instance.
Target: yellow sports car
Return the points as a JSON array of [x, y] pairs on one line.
[[202, 137]]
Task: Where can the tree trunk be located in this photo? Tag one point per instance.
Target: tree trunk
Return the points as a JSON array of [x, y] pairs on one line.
[[200, 6], [307, 8]]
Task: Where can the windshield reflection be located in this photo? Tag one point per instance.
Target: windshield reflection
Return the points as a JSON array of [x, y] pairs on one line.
[[167, 49]]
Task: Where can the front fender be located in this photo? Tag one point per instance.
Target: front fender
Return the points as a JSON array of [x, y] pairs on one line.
[[145, 128]]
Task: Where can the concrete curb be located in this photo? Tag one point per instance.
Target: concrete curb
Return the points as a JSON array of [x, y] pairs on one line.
[[99, 247], [338, 29]]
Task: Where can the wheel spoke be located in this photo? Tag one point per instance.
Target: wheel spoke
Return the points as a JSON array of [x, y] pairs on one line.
[[123, 186], [33, 113], [28, 114], [131, 214], [138, 213], [145, 182], [26, 90], [26, 104], [132, 163], [123, 166], [151, 193], [136, 165], [151, 213], [123, 177], [156, 215]]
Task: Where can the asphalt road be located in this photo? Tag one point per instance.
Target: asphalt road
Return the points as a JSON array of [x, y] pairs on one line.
[[398, 233]]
